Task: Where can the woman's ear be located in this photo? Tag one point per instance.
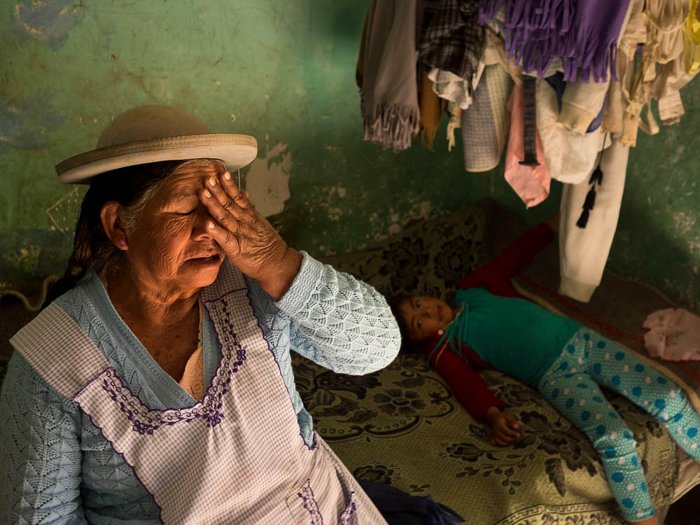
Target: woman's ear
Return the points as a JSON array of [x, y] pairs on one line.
[[109, 214]]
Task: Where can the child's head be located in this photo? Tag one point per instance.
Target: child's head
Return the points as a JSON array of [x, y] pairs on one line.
[[421, 316]]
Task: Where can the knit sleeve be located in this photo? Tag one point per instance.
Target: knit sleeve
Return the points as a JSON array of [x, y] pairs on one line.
[[338, 321], [40, 458], [466, 384]]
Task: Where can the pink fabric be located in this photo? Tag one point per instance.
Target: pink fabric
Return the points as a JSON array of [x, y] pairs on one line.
[[530, 183], [674, 335]]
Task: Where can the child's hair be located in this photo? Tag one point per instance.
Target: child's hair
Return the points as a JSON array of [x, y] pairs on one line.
[[407, 346]]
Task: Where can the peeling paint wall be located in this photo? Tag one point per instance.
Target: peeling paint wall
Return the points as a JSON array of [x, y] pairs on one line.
[[283, 72], [267, 181]]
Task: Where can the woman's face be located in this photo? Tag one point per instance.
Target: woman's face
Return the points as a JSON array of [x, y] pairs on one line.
[[169, 247], [423, 316]]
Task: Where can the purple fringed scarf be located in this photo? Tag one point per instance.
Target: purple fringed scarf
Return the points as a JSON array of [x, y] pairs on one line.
[[582, 33]]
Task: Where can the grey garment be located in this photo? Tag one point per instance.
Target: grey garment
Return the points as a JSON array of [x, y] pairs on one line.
[[387, 73]]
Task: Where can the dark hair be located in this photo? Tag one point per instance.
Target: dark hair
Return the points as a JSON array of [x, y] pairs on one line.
[[407, 346], [131, 187]]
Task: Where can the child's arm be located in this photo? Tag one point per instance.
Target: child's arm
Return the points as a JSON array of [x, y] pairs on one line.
[[495, 276], [466, 384]]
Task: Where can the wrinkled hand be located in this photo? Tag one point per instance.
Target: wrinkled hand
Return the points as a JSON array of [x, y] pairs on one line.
[[247, 238], [505, 429]]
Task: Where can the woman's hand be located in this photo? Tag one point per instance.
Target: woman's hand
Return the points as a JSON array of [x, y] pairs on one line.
[[505, 429], [247, 238]]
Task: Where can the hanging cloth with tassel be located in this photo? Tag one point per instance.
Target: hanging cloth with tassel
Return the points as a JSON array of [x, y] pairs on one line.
[[386, 74], [595, 180]]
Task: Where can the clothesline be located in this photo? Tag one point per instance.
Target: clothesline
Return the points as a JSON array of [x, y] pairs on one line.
[[594, 68]]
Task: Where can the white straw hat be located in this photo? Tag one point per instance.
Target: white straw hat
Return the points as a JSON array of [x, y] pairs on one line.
[[154, 133]]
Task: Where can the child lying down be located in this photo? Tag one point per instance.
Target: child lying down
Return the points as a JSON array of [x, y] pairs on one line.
[[492, 327]]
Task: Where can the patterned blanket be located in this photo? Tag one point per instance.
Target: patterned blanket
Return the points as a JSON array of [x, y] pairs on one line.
[[402, 425]]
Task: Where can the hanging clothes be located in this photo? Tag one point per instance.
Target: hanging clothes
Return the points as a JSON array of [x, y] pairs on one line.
[[661, 23], [525, 171], [583, 252], [581, 105], [431, 111], [569, 155], [386, 73], [585, 234], [453, 88], [451, 47], [580, 34], [691, 39], [598, 64], [432, 107], [485, 123]]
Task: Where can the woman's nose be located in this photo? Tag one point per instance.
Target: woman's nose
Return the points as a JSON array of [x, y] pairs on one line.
[[202, 217]]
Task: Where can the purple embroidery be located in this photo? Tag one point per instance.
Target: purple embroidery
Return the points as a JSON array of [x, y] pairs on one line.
[[310, 504], [349, 510], [145, 420]]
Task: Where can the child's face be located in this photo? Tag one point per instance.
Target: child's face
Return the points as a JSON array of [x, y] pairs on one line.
[[423, 316]]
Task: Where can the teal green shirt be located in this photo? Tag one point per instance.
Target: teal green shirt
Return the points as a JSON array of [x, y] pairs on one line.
[[515, 336]]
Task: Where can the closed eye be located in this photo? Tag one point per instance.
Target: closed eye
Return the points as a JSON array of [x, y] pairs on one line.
[[184, 213]]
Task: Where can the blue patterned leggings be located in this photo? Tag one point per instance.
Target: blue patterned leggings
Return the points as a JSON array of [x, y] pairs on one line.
[[571, 384]]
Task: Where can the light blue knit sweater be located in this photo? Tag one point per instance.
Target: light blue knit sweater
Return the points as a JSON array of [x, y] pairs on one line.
[[55, 467]]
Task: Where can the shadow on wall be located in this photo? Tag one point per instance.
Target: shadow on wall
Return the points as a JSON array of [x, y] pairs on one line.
[[668, 264], [347, 23]]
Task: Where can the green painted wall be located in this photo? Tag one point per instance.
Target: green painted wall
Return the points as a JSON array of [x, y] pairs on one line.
[[284, 72]]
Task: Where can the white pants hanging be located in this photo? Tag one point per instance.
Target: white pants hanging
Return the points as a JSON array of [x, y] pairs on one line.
[[584, 251]]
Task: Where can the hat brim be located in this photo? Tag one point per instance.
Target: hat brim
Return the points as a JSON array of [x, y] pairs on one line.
[[235, 151]]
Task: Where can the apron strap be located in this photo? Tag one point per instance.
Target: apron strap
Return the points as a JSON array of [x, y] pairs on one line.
[[53, 343]]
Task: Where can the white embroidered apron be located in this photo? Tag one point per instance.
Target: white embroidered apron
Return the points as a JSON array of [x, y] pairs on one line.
[[235, 457]]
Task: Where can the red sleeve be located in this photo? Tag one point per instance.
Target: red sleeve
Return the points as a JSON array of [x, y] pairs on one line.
[[496, 275], [466, 384]]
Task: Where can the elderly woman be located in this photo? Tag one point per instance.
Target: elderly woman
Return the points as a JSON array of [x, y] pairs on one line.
[[158, 386]]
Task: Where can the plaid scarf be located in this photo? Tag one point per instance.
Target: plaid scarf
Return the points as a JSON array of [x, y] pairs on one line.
[[453, 39]]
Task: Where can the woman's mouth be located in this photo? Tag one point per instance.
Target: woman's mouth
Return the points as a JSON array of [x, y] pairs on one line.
[[207, 259]]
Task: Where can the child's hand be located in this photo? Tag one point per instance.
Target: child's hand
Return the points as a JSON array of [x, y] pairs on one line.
[[505, 429]]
